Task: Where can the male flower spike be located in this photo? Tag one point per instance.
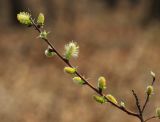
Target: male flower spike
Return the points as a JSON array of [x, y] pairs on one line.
[[71, 50], [24, 18]]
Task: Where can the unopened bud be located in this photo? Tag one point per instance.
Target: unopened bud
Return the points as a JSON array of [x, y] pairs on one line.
[[40, 19], [149, 90], [49, 52], [44, 34], [153, 74], [70, 70], [78, 80], [111, 99], [102, 83], [122, 104]]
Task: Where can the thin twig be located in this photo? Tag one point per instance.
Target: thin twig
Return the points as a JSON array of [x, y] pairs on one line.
[[153, 81], [138, 106], [145, 104], [78, 74], [137, 101], [148, 96], [150, 118]]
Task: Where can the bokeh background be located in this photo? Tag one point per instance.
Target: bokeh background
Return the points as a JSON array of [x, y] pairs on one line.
[[119, 39]]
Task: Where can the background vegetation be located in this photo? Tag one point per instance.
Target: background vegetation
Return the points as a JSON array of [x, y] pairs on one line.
[[118, 39]]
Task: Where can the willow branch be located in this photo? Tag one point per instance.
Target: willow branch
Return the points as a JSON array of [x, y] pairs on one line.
[[78, 74]]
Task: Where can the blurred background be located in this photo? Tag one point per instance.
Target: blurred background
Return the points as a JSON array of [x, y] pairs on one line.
[[118, 39]]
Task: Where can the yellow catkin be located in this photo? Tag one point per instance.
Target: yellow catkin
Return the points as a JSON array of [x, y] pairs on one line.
[[150, 90], [24, 18], [111, 99], [78, 80], [40, 20], [102, 83], [70, 70]]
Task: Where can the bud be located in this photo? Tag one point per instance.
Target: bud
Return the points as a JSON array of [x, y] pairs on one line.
[[24, 18], [158, 112], [102, 83], [71, 50], [153, 74], [149, 90], [99, 99], [111, 99], [122, 104], [43, 34], [49, 52], [78, 80], [40, 19], [70, 70]]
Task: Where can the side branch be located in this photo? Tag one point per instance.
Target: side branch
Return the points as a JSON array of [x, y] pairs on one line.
[[145, 104], [137, 102], [150, 118], [140, 116], [148, 95]]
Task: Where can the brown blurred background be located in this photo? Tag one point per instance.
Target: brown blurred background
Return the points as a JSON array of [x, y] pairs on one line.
[[118, 39]]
